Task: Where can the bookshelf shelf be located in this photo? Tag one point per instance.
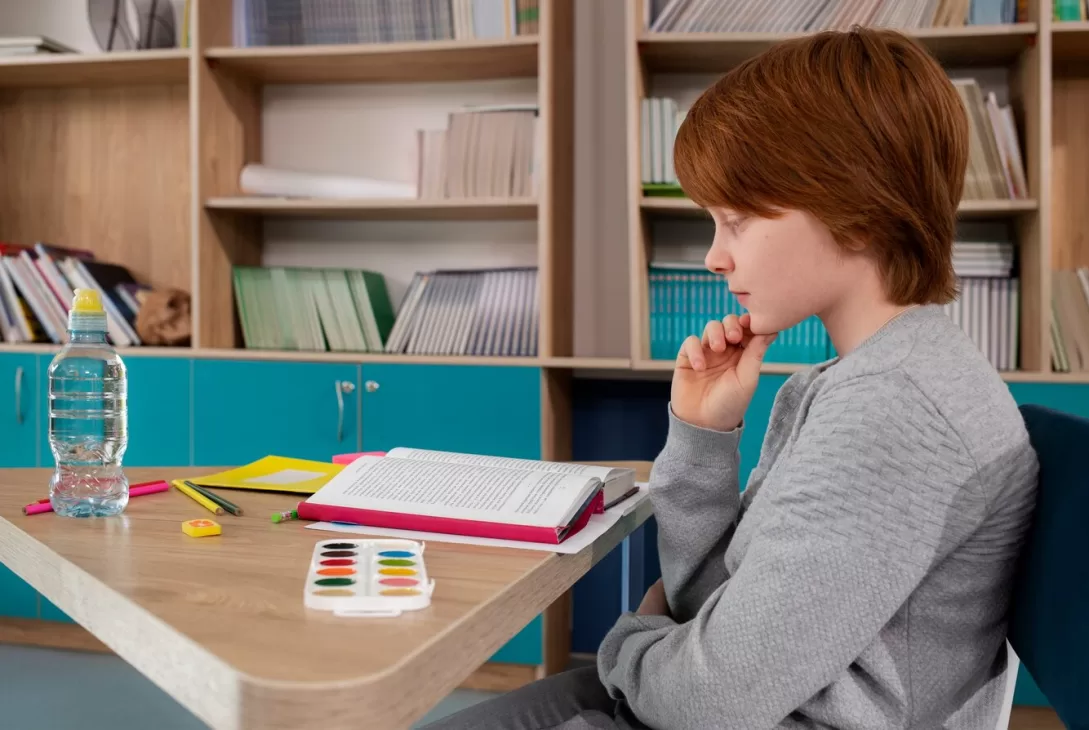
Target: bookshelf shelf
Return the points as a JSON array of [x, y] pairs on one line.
[[123, 68], [984, 45], [382, 62], [618, 365], [1070, 41], [969, 209], [587, 363], [482, 209]]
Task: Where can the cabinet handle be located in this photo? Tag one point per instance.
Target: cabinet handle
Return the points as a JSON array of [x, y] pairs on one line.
[[19, 395], [342, 387], [371, 386]]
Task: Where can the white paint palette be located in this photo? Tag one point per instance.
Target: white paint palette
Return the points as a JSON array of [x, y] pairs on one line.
[[368, 577]]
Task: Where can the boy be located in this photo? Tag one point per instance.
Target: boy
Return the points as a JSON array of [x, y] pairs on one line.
[[863, 578]]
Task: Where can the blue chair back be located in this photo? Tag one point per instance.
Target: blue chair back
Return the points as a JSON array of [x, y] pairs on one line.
[[1049, 612]]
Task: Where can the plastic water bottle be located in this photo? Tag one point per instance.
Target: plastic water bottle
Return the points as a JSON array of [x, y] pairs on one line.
[[88, 417]]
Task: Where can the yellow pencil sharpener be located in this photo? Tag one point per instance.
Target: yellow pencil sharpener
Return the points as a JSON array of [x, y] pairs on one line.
[[201, 528]]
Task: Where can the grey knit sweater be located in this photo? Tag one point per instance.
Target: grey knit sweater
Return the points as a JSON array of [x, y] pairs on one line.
[[862, 579]]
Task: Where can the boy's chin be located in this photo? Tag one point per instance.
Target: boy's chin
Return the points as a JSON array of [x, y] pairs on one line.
[[767, 324], [761, 324]]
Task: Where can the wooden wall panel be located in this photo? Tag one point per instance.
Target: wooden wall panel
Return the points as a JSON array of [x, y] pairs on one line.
[[1070, 167], [100, 169]]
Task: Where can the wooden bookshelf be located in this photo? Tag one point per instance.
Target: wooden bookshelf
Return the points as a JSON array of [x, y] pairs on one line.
[[1023, 49], [516, 57], [482, 209], [190, 144], [228, 85], [122, 68]]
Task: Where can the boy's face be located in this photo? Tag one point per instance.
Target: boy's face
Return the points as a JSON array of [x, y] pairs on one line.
[[782, 270]]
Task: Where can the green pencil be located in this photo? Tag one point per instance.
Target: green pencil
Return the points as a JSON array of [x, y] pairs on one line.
[[223, 502]]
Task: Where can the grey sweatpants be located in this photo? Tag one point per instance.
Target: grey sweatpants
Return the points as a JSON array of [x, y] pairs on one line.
[[572, 700]]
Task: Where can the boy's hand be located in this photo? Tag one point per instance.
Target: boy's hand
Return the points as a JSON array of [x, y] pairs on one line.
[[654, 602], [716, 376]]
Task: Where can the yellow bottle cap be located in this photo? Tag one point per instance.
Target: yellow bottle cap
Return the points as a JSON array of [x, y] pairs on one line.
[[87, 301]]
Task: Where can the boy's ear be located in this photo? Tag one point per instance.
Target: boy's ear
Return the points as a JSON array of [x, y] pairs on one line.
[[855, 241]]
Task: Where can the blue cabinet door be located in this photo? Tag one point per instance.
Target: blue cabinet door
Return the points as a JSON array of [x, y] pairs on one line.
[[18, 448], [158, 404], [19, 416], [464, 408], [245, 410]]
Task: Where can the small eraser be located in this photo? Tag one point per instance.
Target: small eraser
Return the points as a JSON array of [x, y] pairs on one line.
[[201, 528]]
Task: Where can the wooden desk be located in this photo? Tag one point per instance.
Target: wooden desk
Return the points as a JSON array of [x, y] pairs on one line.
[[219, 623]]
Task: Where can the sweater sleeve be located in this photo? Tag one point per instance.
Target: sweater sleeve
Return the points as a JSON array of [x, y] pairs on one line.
[[696, 498], [874, 491]]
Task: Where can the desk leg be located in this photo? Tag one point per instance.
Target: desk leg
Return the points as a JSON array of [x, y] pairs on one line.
[[557, 636]]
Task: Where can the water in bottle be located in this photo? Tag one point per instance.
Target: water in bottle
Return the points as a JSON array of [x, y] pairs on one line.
[[88, 420]]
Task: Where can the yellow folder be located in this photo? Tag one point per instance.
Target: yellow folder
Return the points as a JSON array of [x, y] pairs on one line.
[[275, 474]]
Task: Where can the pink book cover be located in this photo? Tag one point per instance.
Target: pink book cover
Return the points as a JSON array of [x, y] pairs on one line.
[[449, 525]]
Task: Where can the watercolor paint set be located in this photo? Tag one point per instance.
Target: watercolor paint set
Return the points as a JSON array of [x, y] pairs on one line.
[[368, 578]]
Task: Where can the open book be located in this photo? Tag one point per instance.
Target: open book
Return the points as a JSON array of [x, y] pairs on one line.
[[466, 494]]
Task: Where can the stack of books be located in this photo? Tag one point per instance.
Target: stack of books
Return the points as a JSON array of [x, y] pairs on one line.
[[37, 285], [314, 22], [988, 300], [761, 16], [472, 312], [1070, 320], [312, 309], [489, 152], [996, 169], [659, 120], [685, 297]]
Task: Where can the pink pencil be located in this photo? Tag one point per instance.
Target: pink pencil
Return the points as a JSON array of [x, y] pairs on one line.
[[134, 491]]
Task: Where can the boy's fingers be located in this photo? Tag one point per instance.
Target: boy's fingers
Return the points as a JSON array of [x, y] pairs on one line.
[[731, 323], [714, 336], [691, 354]]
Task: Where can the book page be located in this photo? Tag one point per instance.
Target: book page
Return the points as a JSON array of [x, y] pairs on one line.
[[447, 457], [462, 491]]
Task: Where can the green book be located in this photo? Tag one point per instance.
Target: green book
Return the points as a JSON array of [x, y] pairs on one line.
[[1068, 10], [663, 190], [374, 307]]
